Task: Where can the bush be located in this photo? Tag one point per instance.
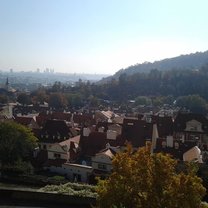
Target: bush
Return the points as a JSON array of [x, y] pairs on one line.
[[204, 205], [75, 189], [18, 168], [57, 180]]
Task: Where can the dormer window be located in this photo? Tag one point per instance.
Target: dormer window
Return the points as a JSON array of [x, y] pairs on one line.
[[176, 145], [193, 128], [102, 166], [164, 144], [57, 156]]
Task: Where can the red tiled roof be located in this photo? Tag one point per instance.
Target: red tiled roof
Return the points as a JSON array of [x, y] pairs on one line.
[[61, 116], [97, 141], [41, 119], [84, 119], [164, 125], [136, 131], [68, 141], [176, 153], [55, 131], [23, 120]]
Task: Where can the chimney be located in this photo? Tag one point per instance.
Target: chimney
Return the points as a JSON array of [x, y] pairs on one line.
[[154, 136], [86, 132], [169, 141]]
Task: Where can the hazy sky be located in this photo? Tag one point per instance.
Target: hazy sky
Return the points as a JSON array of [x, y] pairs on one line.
[[98, 36]]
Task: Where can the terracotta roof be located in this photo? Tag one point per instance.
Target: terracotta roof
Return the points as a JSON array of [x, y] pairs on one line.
[[96, 141], [55, 131], [108, 152], [61, 116], [136, 131], [176, 153], [164, 125], [23, 120], [68, 141], [41, 119], [84, 119]]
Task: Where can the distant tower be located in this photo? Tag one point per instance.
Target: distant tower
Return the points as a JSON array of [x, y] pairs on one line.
[[11, 70], [7, 84]]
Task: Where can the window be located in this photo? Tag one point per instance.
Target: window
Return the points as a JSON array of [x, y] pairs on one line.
[[130, 124], [193, 128], [57, 156], [176, 145], [164, 144], [102, 166], [76, 177]]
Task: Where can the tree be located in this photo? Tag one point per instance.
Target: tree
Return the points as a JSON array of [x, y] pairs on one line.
[[3, 99], [142, 100], [142, 179], [16, 143], [24, 99], [57, 101], [75, 100], [195, 103], [39, 96]]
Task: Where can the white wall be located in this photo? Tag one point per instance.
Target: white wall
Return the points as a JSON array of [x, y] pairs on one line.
[[57, 149], [102, 159], [74, 169], [111, 134]]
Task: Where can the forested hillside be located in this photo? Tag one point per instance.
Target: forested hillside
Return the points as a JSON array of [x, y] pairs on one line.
[[188, 88], [189, 62], [158, 83]]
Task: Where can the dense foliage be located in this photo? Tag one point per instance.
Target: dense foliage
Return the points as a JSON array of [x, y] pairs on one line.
[[183, 88], [75, 189], [16, 144], [190, 61], [142, 179]]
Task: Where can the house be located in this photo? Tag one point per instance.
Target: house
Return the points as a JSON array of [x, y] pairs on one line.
[[7, 110], [83, 119], [193, 128], [61, 157], [105, 126], [77, 172], [136, 131], [61, 116], [102, 161], [55, 131], [92, 142], [107, 116], [65, 150], [62, 152], [174, 147]]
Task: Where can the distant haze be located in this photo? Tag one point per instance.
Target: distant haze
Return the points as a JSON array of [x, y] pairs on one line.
[[98, 36]]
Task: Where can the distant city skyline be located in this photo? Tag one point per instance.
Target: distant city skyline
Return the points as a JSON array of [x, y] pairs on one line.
[[98, 36]]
